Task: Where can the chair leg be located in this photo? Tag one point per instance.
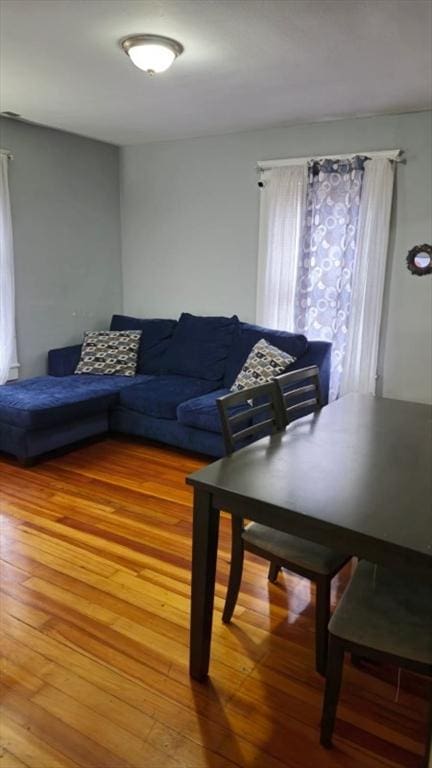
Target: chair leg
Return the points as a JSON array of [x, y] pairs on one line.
[[27, 462], [332, 690], [427, 760], [273, 572], [322, 618], [236, 568]]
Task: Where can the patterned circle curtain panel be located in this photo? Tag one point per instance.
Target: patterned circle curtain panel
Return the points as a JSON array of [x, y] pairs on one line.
[[328, 253]]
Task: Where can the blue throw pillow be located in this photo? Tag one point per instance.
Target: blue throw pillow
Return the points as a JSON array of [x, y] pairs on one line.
[[155, 338], [200, 346], [293, 343]]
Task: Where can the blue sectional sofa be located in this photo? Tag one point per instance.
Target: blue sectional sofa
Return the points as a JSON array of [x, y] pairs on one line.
[[183, 366]]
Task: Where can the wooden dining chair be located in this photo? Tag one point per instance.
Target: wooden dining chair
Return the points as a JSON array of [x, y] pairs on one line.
[[312, 561], [383, 616], [299, 394], [248, 414]]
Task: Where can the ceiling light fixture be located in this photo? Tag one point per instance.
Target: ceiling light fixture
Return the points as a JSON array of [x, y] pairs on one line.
[[151, 53]]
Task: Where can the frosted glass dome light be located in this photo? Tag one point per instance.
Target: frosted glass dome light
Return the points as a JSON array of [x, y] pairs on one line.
[[151, 53]]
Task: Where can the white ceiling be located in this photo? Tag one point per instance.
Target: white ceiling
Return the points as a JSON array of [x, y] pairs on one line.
[[247, 64]]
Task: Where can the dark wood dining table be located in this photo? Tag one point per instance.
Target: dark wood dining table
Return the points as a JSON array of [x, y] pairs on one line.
[[357, 476]]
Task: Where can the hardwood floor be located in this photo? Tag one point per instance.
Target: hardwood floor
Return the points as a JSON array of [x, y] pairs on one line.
[[94, 620]]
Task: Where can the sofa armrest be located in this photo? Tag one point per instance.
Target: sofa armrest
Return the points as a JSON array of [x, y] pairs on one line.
[[62, 362], [317, 353]]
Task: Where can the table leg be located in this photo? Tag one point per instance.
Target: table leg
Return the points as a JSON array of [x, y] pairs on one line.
[[204, 553]]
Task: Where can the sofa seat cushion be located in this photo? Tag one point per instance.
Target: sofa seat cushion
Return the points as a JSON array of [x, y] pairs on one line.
[[155, 339], [160, 397], [202, 412], [49, 400], [200, 346], [293, 344]]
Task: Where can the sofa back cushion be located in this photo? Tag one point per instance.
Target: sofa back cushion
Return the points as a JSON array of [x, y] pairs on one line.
[[246, 338], [155, 338], [200, 346]]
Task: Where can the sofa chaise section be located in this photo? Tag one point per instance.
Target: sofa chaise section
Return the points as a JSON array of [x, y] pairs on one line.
[[49, 412], [40, 414]]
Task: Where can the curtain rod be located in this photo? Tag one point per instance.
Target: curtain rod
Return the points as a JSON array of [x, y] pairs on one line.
[[266, 165], [7, 152]]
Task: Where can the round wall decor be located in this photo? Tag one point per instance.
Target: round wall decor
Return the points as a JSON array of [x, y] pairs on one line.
[[419, 260]]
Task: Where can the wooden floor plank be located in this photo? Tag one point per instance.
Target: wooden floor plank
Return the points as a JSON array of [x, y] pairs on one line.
[[121, 743], [9, 760], [27, 614], [40, 739], [95, 568]]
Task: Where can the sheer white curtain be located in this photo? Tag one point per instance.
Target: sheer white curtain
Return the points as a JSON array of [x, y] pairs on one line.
[[360, 365], [7, 292], [282, 208]]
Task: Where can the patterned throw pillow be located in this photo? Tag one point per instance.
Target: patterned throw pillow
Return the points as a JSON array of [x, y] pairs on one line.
[[264, 362], [109, 352]]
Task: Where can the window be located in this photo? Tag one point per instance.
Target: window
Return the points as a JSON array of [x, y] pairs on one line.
[[324, 228]]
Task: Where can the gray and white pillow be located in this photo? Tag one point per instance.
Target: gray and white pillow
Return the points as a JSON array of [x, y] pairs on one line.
[[109, 352], [263, 363]]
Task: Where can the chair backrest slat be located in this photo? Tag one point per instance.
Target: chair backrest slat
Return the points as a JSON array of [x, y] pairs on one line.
[[256, 410], [298, 398], [255, 402], [293, 393], [300, 406], [266, 425]]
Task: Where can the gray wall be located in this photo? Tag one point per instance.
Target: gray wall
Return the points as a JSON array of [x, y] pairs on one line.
[[190, 229], [66, 224]]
